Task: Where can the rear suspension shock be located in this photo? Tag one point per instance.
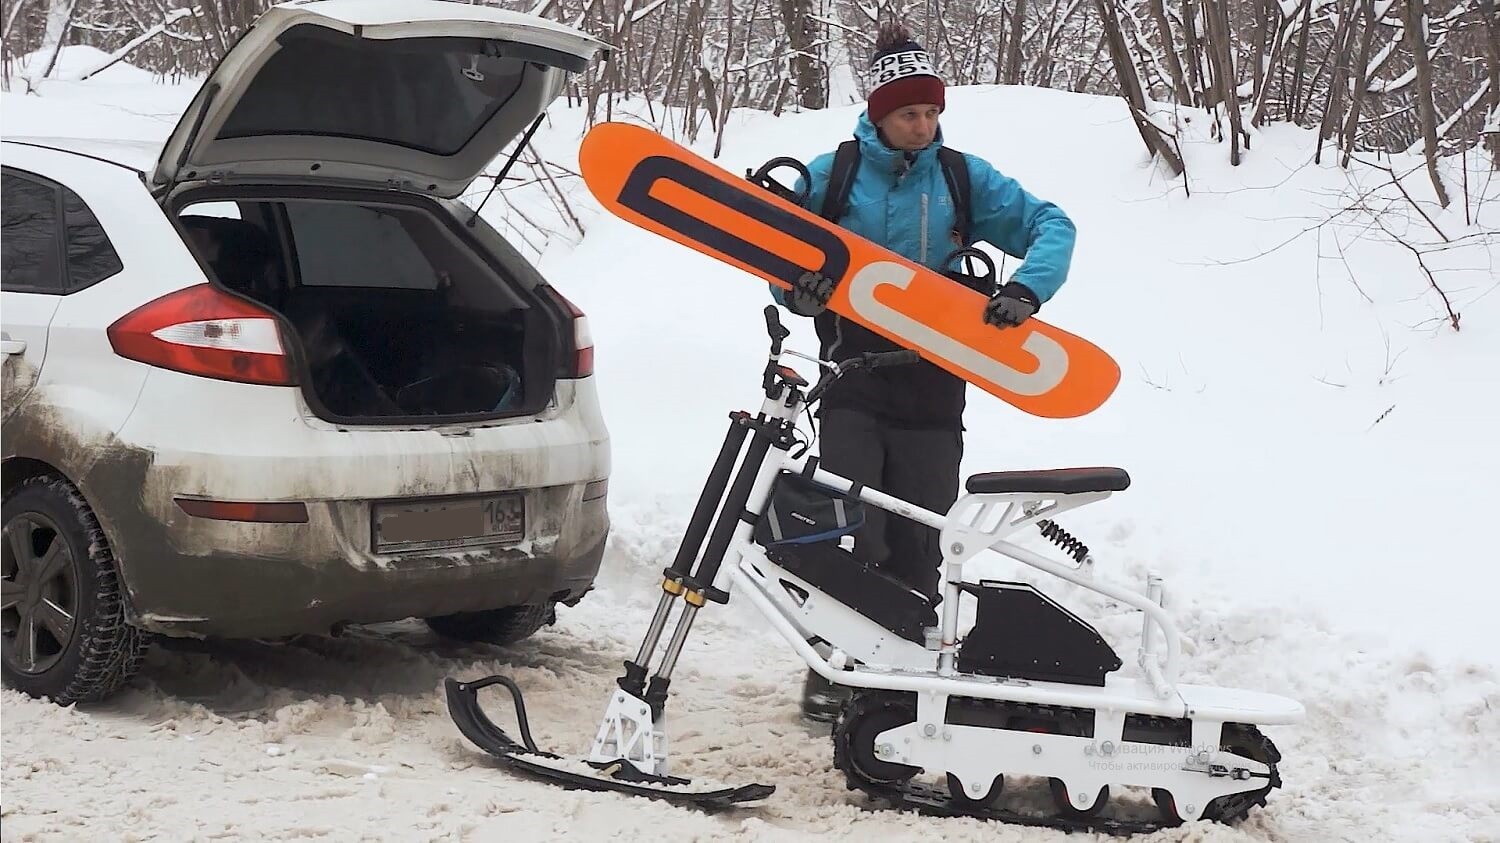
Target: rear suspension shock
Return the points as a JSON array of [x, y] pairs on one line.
[[1054, 532]]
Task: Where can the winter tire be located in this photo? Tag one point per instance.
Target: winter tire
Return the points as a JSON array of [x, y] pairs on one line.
[[62, 616], [496, 626]]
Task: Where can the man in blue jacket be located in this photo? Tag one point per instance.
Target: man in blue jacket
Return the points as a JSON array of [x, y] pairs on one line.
[[900, 429]]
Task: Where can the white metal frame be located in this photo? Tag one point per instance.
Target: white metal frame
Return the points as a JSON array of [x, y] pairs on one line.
[[629, 731], [865, 655]]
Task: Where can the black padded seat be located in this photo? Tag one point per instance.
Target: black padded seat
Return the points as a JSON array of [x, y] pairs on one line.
[[1051, 481]]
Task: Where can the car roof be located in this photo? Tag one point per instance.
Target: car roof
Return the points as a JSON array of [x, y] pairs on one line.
[[136, 155]]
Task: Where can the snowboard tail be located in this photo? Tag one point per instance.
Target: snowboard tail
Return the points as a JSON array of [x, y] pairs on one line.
[[665, 188]]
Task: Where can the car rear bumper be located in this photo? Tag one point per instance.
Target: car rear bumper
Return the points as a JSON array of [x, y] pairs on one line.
[[247, 580], [193, 575]]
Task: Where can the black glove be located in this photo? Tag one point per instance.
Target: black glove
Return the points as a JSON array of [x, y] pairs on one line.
[[1011, 305], [809, 294]]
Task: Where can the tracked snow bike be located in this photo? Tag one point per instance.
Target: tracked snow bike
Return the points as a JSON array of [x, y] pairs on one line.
[[1029, 690]]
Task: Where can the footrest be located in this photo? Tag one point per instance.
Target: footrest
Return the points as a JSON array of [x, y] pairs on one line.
[[1051, 481]]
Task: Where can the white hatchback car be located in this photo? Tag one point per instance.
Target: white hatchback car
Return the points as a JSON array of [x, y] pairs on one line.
[[274, 378]]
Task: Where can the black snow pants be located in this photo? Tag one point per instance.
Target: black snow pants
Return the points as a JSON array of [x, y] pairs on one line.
[[919, 465]]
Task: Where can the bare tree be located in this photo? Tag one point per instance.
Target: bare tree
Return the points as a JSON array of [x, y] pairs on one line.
[[1158, 11], [1416, 34], [59, 17], [807, 70], [1491, 20], [1013, 54], [1344, 67], [1341, 52], [1361, 78], [1221, 61], [1130, 88]]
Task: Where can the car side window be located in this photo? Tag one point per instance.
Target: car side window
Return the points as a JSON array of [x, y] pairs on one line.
[[31, 261], [41, 256], [91, 257]]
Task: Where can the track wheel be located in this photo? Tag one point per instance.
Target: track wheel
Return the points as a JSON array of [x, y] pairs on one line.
[[1240, 739], [1065, 805], [855, 750], [969, 799]]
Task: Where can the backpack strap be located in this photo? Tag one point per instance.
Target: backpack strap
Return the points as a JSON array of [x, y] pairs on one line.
[[956, 174], [840, 181], [846, 164]]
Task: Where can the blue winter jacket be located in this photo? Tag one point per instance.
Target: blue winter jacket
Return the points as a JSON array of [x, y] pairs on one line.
[[912, 214], [908, 210]]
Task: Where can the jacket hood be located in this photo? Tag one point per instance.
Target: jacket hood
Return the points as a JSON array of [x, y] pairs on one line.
[[873, 149]]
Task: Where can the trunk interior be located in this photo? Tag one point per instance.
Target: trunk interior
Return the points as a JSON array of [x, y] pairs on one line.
[[400, 316]]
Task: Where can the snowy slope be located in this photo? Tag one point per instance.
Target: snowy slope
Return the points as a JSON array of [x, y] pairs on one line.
[[1311, 551]]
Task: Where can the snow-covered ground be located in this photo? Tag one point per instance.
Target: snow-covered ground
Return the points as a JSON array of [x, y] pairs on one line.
[[1314, 461]]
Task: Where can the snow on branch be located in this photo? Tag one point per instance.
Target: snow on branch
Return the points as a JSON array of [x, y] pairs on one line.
[[849, 30], [1382, 86], [1473, 102], [642, 12], [119, 55]]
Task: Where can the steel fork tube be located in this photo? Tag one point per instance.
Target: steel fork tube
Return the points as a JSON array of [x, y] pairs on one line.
[[708, 502], [674, 647], [653, 633], [734, 504]]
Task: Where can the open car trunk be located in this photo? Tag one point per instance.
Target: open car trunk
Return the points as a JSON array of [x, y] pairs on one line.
[[398, 313], [416, 95]]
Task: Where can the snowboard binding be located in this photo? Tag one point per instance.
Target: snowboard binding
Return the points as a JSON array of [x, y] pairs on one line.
[[1029, 691], [762, 178]]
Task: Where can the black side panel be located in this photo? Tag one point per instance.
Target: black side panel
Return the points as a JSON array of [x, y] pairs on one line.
[[881, 598], [1022, 633]]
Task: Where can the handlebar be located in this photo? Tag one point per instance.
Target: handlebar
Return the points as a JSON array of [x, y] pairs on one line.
[[876, 359], [867, 360]]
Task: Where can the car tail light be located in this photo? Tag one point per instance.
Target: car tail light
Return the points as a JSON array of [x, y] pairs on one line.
[[204, 331], [581, 360]]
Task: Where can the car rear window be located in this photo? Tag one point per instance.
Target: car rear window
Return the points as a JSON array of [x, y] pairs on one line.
[[429, 94], [341, 245]]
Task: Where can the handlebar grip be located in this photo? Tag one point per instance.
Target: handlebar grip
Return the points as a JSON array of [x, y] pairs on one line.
[[891, 358], [773, 323]]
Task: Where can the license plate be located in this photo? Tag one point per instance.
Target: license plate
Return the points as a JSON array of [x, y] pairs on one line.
[[449, 523]]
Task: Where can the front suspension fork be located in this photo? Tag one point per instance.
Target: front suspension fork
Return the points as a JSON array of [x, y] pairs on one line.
[[695, 587]]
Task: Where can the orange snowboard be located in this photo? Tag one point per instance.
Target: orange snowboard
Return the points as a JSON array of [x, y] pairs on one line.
[[663, 187]]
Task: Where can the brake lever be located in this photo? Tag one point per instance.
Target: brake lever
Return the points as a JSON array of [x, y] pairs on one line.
[[823, 365]]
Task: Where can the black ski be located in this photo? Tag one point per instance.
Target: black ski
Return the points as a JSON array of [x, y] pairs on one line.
[[618, 776]]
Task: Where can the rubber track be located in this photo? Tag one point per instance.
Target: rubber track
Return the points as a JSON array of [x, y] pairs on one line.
[[936, 801]]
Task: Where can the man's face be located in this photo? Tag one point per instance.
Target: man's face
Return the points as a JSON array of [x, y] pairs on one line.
[[911, 127]]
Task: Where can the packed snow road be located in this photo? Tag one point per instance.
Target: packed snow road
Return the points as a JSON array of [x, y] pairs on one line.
[[349, 739]]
